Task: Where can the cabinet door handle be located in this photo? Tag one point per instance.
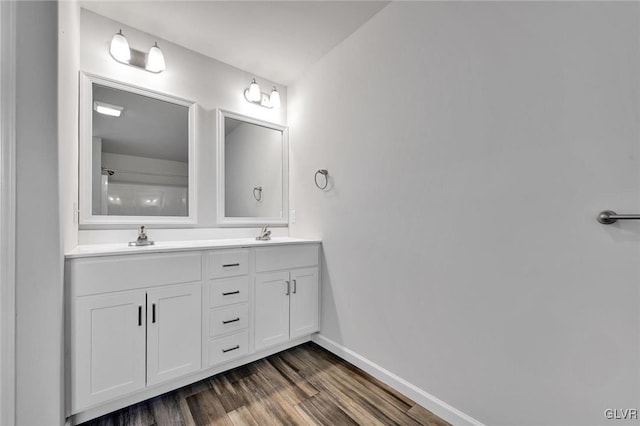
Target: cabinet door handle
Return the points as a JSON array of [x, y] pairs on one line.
[[230, 321], [231, 292], [288, 286], [230, 265], [153, 313], [224, 351], [295, 287], [139, 315]]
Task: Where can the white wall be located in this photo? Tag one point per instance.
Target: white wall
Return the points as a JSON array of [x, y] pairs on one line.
[[253, 157], [210, 83], [471, 146], [38, 242], [68, 66]]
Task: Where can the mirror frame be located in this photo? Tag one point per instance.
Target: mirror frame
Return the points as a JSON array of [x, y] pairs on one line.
[[86, 216], [223, 220]]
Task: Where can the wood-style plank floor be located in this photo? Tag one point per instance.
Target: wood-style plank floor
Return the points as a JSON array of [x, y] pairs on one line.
[[305, 385]]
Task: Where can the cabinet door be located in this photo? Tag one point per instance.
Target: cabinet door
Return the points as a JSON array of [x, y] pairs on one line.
[[173, 331], [271, 309], [108, 347], [304, 302]]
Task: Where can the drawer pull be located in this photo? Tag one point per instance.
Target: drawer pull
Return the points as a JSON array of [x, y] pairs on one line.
[[230, 265], [224, 351], [295, 287], [288, 288], [231, 292], [139, 315], [153, 313], [230, 321]]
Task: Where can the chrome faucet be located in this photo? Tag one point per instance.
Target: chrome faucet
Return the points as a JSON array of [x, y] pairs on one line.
[[264, 234], [142, 240]]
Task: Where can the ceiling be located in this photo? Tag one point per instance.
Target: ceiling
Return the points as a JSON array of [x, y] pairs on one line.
[[277, 40]]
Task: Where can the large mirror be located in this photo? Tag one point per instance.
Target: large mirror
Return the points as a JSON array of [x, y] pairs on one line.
[[252, 171], [136, 149]]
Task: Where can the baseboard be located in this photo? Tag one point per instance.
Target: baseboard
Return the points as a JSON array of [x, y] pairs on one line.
[[425, 399]]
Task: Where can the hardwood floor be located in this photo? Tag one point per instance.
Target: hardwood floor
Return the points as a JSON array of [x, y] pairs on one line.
[[305, 385]]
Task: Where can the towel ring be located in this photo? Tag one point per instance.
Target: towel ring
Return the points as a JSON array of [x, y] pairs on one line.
[[324, 173], [259, 196]]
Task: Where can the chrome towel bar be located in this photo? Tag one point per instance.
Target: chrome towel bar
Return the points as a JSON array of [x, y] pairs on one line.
[[607, 217]]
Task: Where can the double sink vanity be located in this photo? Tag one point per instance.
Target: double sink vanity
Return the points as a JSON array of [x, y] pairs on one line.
[[146, 320]]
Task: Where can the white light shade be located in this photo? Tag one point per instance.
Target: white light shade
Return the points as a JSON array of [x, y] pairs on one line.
[[274, 98], [120, 48], [107, 109], [155, 59], [254, 92]]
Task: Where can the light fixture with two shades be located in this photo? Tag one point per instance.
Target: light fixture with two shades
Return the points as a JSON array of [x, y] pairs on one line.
[[153, 61], [255, 96]]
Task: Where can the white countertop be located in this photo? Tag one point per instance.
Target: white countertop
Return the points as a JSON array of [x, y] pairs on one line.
[[171, 246]]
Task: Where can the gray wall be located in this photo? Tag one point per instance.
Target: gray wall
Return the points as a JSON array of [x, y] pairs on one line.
[[471, 146], [38, 252]]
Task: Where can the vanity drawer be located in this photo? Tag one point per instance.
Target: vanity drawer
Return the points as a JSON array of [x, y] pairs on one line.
[[294, 256], [116, 273], [228, 347], [228, 263], [226, 320], [228, 291]]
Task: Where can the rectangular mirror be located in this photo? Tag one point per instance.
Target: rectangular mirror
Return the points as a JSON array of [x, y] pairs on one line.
[[252, 171], [136, 153]]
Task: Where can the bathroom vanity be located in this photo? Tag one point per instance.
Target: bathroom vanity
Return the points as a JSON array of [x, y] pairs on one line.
[[142, 321]]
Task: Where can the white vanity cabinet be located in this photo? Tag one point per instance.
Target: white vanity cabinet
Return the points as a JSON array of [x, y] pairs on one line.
[[113, 330], [109, 347], [126, 333], [227, 312], [173, 331], [287, 300], [272, 309], [143, 323], [303, 302]]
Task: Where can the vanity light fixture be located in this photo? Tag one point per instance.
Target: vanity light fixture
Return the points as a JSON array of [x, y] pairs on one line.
[[107, 109], [253, 93], [255, 96], [274, 99], [119, 48], [121, 52], [155, 59]]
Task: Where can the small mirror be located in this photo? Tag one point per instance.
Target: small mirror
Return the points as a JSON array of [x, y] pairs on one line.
[[252, 171], [139, 144]]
